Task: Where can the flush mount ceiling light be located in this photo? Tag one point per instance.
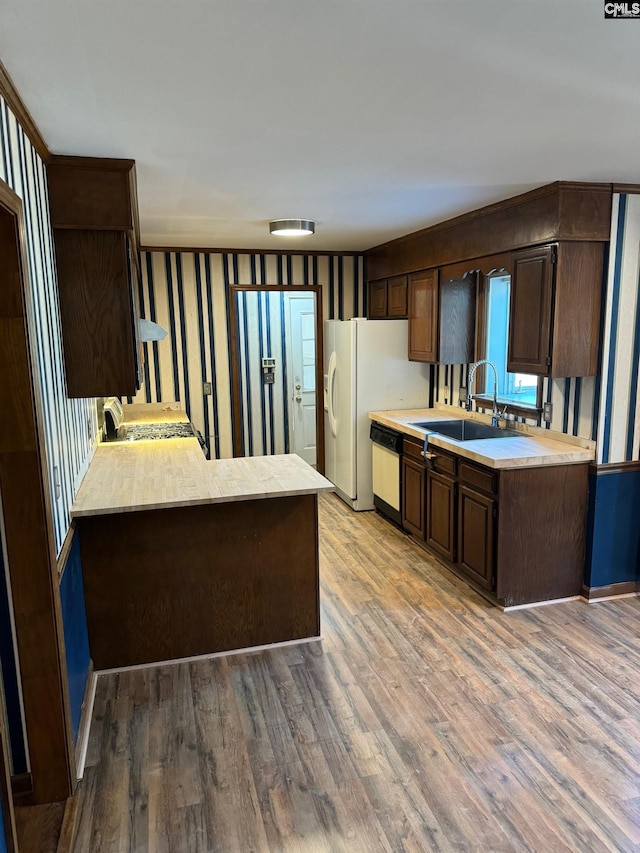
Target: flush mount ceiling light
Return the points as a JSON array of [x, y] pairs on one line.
[[292, 227]]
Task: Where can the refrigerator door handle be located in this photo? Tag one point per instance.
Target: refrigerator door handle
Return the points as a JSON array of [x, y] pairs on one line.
[[330, 393]]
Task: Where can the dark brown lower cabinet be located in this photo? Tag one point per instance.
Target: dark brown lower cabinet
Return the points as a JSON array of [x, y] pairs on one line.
[[517, 534], [441, 514], [413, 495], [476, 536]]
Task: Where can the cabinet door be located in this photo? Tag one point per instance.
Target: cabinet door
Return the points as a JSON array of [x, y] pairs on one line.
[[397, 296], [377, 300], [413, 496], [530, 311], [96, 312], [476, 536], [441, 514], [423, 316], [457, 307]]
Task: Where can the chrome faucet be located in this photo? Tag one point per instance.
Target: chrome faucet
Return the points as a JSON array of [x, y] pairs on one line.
[[495, 414]]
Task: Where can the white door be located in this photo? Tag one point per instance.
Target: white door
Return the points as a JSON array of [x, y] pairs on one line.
[[301, 335]]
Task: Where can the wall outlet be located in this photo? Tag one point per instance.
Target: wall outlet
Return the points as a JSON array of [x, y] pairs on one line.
[[463, 394], [206, 389], [547, 412]]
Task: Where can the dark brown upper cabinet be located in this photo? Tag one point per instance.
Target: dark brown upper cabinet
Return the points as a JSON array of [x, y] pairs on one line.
[[442, 316], [95, 222], [530, 311], [98, 313], [377, 300], [93, 193], [555, 309], [388, 298]]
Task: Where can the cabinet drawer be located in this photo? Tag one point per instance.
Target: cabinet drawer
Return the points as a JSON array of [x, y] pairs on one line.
[[442, 462], [413, 448], [478, 478]]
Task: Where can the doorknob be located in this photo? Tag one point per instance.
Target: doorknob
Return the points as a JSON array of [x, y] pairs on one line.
[[298, 399]]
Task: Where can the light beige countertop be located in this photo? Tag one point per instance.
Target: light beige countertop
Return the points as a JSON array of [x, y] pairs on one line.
[[536, 447], [173, 472]]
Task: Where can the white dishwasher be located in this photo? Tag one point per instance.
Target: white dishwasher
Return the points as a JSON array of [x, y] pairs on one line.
[[386, 451]]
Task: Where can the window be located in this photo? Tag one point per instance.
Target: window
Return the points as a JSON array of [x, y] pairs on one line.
[[520, 389]]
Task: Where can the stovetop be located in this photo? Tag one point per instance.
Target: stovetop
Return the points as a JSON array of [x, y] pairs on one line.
[[154, 432]]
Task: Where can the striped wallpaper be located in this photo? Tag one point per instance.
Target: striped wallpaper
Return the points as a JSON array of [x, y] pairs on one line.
[[187, 292], [619, 427], [69, 425]]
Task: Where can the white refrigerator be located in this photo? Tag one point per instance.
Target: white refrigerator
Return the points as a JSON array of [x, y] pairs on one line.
[[365, 369]]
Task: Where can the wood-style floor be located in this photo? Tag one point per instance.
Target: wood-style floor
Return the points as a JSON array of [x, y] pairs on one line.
[[38, 827], [426, 719]]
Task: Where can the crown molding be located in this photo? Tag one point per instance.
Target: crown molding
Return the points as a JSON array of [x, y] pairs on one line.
[[202, 250], [24, 117]]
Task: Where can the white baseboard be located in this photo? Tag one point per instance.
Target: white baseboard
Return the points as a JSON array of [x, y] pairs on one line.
[[85, 724], [210, 656], [540, 603]]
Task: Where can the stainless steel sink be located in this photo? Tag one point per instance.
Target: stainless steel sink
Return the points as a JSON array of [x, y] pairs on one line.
[[463, 430]]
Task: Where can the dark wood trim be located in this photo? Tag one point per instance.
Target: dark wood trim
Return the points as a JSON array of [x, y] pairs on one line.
[[226, 251], [19, 109], [559, 211], [28, 524], [615, 467], [610, 590], [232, 329], [111, 164], [626, 188], [63, 556], [22, 789]]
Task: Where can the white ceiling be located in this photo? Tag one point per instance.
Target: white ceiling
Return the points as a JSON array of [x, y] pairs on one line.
[[373, 117]]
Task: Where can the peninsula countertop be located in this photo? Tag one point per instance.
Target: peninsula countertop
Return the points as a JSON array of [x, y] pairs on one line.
[[535, 447], [135, 476]]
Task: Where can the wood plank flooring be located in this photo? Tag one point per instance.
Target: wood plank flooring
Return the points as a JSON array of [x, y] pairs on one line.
[[39, 827], [425, 720]]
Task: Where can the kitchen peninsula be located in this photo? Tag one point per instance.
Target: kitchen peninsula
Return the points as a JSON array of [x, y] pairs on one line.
[[184, 556]]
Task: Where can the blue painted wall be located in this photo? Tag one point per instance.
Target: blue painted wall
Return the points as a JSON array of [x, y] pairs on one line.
[[3, 842], [613, 543], [76, 637]]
